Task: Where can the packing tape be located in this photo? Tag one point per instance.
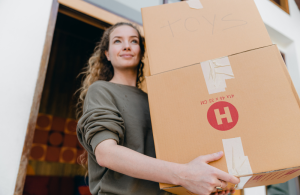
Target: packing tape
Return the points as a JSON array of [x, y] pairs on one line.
[[215, 73], [195, 4], [237, 163], [243, 181]]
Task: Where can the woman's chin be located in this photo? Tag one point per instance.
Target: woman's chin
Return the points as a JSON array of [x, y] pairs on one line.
[[128, 66]]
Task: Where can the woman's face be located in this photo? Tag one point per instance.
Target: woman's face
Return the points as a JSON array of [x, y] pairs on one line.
[[124, 49]]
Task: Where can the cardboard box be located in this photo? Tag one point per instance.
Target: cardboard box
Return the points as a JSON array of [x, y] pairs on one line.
[[267, 121], [222, 89], [177, 35]]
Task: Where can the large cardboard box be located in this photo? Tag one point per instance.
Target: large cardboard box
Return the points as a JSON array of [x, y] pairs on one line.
[[177, 35], [218, 83]]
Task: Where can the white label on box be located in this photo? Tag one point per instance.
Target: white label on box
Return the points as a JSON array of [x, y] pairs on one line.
[[195, 4], [237, 163], [215, 73]]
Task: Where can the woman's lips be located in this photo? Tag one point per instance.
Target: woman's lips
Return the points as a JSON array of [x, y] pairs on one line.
[[126, 56]]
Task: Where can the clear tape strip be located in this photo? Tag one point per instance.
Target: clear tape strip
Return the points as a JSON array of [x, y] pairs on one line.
[[215, 73], [237, 163]]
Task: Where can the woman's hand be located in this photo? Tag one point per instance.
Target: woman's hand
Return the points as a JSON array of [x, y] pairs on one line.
[[202, 179], [224, 192], [196, 176]]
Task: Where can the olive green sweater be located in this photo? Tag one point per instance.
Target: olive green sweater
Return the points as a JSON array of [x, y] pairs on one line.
[[119, 112]]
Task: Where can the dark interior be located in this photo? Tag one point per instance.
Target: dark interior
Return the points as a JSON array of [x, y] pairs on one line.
[[73, 44], [53, 168]]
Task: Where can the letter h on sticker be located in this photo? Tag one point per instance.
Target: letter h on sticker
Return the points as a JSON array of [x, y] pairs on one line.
[[219, 116]]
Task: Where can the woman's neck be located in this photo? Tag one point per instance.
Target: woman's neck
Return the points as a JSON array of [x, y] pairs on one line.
[[125, 77]]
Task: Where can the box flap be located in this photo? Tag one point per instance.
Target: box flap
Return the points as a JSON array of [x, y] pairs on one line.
[[265, 179], [178, 35]]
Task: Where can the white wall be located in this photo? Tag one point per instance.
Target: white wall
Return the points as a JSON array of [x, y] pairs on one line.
[[261, 190], [23, 26], [284, 30]]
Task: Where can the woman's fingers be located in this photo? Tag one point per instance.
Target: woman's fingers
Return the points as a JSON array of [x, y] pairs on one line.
[[232, 190], [212, 157], [227, 177], [201, 178], [220, 192], [220, 189], [223, 184], [225, 191]]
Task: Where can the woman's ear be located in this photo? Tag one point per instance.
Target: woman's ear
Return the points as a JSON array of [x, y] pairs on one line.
[[107, 55]]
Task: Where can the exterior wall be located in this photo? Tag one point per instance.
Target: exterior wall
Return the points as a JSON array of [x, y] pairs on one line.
[[284, 30], [23, 29], [261, 190]]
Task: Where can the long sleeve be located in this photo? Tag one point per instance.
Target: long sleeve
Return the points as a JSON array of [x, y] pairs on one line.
[[101, 119], [119, 112]]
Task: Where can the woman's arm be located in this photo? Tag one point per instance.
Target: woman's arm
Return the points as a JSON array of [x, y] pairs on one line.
[[196, 176]]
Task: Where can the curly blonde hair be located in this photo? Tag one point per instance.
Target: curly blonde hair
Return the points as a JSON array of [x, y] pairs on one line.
[[99, 68]]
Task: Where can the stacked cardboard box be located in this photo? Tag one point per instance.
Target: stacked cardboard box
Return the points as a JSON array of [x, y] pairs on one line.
[[218, 83]]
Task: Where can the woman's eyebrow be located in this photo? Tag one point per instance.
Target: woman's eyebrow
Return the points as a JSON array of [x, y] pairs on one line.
[[122, 37], [117, 37]]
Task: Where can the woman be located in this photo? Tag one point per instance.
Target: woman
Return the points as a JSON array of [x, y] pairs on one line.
[[115, 126]]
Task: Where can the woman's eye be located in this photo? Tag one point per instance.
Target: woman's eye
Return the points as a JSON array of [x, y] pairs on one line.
[[134, 41], [117, 41]]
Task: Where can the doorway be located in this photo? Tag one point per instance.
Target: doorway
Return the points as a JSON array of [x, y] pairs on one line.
[[53, 167]]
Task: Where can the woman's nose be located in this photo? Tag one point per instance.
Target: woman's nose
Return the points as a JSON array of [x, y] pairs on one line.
[[126, 46]]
